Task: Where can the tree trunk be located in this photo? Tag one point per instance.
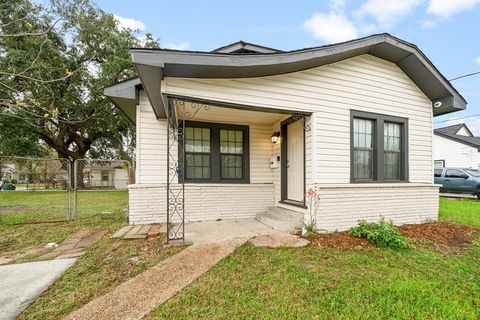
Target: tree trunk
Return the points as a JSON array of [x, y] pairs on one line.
[[76, 171]]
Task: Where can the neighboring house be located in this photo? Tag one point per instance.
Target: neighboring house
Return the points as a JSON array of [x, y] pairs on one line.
[[111, 176], [9, 172], [352, 120], [456, 146]]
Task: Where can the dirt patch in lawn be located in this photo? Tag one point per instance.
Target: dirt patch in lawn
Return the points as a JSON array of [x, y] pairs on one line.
[[340, 240], [441, 235]]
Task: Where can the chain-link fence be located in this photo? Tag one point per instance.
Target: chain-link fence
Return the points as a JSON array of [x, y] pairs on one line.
[[105, 179], [34, 190]]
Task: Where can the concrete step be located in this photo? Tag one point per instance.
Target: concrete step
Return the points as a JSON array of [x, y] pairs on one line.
[[281, 219]]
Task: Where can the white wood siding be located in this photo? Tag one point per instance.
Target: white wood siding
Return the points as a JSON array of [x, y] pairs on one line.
[[151, 153], [364, 83], [454, 153]]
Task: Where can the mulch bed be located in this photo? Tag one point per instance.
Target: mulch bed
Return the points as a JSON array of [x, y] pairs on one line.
[[441, 235], [339, 240]]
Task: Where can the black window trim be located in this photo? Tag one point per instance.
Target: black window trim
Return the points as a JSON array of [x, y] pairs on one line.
[[378, 149], [215, 153]]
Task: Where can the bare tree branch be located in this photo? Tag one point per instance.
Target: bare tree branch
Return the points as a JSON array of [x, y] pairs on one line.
[[68, 75], [33, 34]]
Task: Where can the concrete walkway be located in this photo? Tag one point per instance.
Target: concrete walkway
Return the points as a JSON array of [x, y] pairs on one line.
[[21, 283], [138, 296], [135, 298]]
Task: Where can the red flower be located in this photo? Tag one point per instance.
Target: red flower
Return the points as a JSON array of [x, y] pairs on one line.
[[311, 193]]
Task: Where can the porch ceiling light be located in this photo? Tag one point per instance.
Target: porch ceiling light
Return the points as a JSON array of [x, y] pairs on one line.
[[275, 136]]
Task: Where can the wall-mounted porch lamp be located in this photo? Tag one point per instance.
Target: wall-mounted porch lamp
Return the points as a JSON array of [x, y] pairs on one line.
[[275, 136]]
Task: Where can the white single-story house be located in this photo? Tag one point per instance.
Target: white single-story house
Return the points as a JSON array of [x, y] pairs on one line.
[[456, 146], [115, 175], [245, 130], [8, 171]]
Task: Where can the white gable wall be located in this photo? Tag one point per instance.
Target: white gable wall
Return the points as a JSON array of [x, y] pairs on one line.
[[454, 153]]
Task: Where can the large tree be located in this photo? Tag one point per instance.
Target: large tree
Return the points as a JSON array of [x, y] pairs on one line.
[[55, 61]]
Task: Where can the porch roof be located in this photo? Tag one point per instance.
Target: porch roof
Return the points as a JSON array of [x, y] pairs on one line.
[[153, 65]]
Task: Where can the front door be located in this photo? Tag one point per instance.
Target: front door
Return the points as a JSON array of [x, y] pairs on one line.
[[295, 162]]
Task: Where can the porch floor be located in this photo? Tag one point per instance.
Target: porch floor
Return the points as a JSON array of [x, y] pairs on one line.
[[214, 231]]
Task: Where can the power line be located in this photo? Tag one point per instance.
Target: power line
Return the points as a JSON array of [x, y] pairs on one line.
[[475, 115], [465, 75]]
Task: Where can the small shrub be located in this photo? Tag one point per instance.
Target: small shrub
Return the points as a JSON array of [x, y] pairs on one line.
[[383, 234]]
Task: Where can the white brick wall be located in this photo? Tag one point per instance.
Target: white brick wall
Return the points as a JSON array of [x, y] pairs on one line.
[[342, 206], [147, 203]]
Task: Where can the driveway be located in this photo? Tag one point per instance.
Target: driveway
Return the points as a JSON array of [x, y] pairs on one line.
[[21, 283], [458, 196]]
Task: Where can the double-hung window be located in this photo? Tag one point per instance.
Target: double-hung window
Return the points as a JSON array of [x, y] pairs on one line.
[[217, 153], [363, 148], [197, 153], [378, 148]]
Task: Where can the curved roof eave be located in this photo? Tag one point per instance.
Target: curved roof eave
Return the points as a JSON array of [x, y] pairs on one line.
[[154, 64], [124, 95]]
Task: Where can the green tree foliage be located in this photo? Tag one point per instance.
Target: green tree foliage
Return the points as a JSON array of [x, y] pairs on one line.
[[55, 61], [16, 139]]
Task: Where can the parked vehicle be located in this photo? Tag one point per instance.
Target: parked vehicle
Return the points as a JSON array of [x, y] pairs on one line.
[[458, 180], [7, 186]]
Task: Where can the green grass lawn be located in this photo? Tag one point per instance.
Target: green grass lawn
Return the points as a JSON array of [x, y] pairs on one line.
[[463, 211], [313, 283], [95, 210], [257, 283], [104, 265]]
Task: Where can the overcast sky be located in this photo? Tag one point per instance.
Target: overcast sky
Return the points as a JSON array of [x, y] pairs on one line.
[[447, 31]]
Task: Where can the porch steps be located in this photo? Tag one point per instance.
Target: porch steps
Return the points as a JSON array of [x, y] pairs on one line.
[[281, 219]]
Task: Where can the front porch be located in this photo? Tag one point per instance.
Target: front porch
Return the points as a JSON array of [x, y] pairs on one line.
[[220, 163]]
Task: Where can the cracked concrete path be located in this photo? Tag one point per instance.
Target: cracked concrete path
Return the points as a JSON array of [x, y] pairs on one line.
[[138, 296], [21, 283]]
